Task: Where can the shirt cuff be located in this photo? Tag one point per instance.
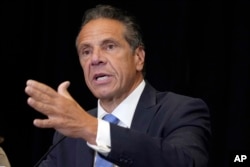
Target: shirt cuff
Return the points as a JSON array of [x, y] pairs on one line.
[[103, 138]]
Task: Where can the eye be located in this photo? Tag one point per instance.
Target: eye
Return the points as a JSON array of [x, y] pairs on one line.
[[110, 46], [85, 52]]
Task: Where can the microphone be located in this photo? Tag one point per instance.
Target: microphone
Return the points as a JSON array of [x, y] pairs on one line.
[[50, 149]]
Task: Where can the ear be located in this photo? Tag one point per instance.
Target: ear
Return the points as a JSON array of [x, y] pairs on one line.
[[139, 58]]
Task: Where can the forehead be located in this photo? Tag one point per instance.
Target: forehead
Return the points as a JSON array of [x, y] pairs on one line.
[[99, 29]]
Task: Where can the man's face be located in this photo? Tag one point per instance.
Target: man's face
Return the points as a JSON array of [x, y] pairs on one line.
[[111, 69]]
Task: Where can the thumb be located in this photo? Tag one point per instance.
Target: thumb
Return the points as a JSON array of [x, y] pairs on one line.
[[62, 89]]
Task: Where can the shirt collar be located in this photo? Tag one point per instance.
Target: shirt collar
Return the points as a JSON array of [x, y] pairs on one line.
[[125, 110]]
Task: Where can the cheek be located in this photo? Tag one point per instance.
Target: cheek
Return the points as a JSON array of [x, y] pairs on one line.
[[120, 67], [126, 70], [83, 64], [84, 68]]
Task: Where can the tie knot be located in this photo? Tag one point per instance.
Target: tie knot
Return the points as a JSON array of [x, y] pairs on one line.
[[111, 118]]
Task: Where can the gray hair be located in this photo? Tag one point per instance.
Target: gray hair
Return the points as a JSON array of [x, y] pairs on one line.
[[133, 34]]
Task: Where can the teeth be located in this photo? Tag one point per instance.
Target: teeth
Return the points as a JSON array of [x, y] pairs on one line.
[[101, 78]]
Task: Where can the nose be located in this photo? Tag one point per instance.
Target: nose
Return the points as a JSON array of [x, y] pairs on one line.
[[97, 58]]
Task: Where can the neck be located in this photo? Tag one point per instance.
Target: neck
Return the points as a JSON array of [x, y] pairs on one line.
[[110, 104]]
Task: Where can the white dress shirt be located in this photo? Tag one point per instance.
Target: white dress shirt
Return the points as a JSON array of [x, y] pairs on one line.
[[124, 112]]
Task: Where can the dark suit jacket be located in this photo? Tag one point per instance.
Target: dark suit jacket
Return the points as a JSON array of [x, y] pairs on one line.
[[167, 130]]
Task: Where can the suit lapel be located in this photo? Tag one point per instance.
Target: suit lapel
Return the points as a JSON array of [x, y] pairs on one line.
[[145, 110], [144, 113]]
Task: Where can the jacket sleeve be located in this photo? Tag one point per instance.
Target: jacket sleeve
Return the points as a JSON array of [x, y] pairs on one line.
[[177, 136]]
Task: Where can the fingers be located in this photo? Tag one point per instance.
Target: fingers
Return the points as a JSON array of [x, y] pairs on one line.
[[43, 123], [42, 97], [37, 95], [40, 106], [62, 111], [62, 90], [42, 88]]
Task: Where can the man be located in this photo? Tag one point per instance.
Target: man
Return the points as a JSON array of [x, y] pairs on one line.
[[155, 129], [4, 161]]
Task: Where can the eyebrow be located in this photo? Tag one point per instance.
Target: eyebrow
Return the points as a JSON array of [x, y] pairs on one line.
[[81, 46], [107, 40]]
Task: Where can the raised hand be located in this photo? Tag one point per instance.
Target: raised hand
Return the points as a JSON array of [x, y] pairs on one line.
[[63, 113]]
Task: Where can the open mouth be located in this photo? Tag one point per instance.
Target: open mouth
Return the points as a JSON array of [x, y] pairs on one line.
[[101, 77]]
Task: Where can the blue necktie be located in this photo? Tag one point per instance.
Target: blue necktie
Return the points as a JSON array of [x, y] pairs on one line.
[[101, 162]]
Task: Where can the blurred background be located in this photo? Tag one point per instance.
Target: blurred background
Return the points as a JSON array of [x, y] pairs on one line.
[[196, 48]]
